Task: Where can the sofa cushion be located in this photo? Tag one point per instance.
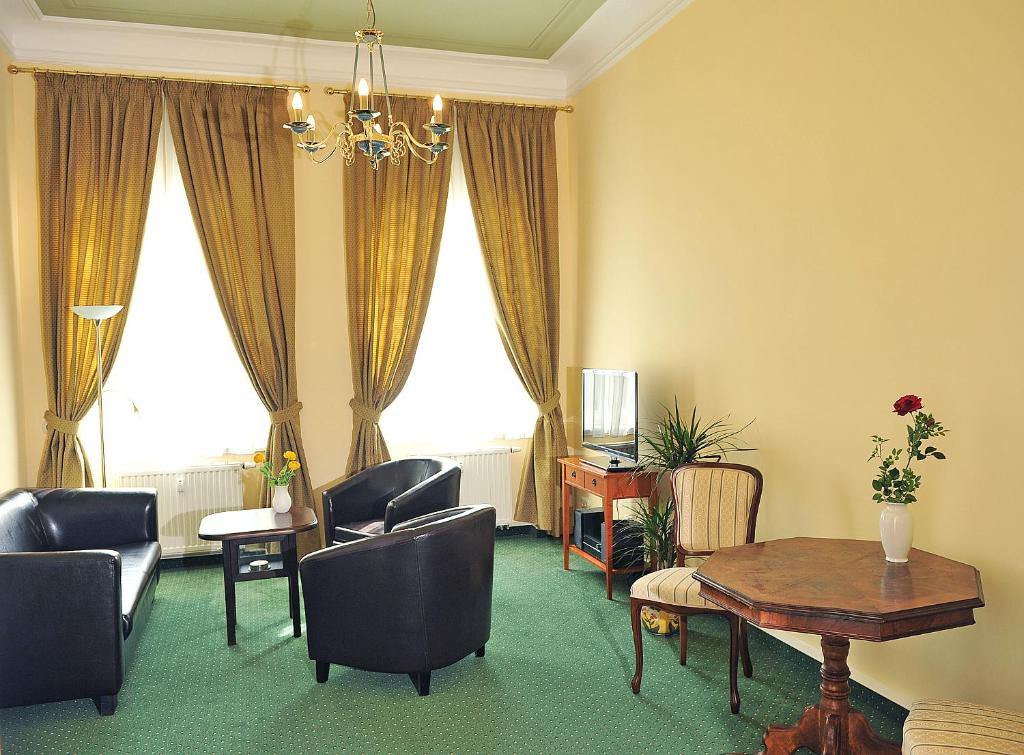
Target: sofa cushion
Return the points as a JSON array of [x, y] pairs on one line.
[[936, 727], [139, 562], [20, 528]]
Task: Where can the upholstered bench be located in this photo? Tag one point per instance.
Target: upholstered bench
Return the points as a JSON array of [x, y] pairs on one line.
[[941, 727]]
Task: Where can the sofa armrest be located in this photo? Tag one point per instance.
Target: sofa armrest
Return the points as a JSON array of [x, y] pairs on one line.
[[82, 518], [61, 624]]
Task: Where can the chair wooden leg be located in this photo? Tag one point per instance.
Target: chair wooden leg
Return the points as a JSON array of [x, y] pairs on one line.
[[323, 670], [748, 667], [682, 640], [638, 643], [734, 651]]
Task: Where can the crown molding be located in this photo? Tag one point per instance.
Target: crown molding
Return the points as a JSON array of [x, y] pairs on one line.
[[615, 28]]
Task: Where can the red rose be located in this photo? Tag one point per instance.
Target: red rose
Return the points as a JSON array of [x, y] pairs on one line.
[[907, 404]]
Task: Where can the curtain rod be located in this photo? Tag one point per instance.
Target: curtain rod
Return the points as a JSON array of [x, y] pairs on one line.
[[560, 108], [14, 69]]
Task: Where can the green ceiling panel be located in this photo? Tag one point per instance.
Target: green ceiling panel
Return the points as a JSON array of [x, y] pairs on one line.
[[522, 28]]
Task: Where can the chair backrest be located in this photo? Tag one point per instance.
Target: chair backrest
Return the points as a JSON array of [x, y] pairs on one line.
[[716, 507], [20, 527]]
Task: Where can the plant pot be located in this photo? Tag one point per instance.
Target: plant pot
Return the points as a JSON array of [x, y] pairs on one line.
[[281, 501], [897, 529], [659, 622]]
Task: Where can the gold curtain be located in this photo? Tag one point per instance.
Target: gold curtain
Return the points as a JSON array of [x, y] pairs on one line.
[[97, 140], [237, 165], [393, 222], [511, 174]]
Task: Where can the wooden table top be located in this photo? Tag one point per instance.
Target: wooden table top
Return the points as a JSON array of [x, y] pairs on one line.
[[841, 587], [237, 525]]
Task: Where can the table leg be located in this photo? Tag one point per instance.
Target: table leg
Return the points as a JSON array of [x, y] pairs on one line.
[[831, 727], [291, 565], [609, 539], [230, 552], [566, 507]]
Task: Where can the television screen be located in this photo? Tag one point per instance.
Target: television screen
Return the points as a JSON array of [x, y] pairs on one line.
[[610, 412]]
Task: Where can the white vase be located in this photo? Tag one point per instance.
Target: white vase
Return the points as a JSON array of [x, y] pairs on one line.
[[282, 500], [897, 527]]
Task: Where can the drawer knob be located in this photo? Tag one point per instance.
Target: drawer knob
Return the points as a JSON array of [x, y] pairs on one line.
[[593, 481], [573, 475]]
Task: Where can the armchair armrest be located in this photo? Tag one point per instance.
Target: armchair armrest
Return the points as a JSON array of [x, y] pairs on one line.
[[346, 499], [433, 494], [346, 589], [61, 624], [85, 518], [345, 535]]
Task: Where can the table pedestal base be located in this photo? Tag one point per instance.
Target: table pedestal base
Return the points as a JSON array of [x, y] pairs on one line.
[[831, 727]]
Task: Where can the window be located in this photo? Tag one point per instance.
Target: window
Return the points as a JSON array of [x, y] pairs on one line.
[[177, 394], [462, 389]]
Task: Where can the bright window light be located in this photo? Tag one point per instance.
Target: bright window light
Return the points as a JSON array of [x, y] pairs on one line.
[[462, 391], [177, 395]]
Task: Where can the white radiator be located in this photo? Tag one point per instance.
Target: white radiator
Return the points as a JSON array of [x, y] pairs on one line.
[[184, 497], [487, 478]]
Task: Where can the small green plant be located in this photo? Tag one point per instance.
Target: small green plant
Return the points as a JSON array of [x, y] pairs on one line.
[[673, 442], [894, 484]]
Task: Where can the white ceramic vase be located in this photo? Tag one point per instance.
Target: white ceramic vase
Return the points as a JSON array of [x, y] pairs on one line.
[[897, 528], [282, 500]]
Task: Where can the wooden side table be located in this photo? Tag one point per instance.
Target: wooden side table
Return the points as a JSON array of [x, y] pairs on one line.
[[841, 590], [610, 486], [237, 528]]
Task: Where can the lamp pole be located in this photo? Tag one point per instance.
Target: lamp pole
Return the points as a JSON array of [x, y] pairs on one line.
[[97, 314]]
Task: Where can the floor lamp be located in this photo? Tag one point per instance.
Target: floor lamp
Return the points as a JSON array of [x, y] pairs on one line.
[[97, 314]]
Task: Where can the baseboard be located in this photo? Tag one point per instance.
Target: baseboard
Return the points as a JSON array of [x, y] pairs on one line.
[[182, 562], [810, 646]]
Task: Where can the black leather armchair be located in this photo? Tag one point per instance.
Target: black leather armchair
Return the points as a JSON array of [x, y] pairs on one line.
[[78, 574], [429, 581], [373, 501]]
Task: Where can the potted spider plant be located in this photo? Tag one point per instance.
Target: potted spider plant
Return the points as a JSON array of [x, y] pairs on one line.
[[671, 442]]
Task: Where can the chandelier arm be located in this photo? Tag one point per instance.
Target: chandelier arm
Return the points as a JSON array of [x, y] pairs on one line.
[[401, 125]]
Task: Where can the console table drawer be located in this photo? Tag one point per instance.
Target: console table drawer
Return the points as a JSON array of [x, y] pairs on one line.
[[595, 483]]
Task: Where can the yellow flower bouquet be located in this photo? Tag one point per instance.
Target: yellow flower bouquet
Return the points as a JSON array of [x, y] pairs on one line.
[[288, 470]]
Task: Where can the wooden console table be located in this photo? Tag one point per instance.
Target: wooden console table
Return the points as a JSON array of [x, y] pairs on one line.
[[610, 486]]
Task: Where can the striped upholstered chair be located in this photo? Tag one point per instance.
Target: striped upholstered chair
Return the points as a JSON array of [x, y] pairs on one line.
[[716, 506], [946, 727]]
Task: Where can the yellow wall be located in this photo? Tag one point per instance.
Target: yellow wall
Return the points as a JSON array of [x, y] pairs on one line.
[[818, 208], [322, 361], [11, 467]]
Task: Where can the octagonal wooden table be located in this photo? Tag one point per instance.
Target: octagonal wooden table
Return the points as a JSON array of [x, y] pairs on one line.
[[841, 590]]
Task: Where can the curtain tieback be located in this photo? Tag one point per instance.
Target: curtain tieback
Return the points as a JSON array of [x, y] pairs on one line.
[[365, 411], [551, 404], [59, 424], [287, 414]]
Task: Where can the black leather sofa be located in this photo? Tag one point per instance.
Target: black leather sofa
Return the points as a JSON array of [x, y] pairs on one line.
[[373, 501], [412, 601], [78, 575]]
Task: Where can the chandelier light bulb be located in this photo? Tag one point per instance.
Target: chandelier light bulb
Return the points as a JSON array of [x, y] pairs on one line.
[[297, 105], [438, 105], [312, 122], [364, 90]]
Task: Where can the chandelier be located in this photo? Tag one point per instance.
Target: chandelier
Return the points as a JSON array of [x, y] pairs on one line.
[[362, 131]]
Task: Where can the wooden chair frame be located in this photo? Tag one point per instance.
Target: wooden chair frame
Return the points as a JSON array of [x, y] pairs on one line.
[[738, 645]]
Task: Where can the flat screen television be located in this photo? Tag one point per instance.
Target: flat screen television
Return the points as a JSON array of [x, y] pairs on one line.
[[610, 417]]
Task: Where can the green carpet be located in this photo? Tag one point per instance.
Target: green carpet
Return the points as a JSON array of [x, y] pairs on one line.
[[555, 679]]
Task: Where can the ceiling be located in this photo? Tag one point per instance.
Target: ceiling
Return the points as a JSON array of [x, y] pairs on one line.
[[518, 28]]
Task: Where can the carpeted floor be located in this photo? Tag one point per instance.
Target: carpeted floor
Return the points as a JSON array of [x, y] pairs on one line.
[[555, 679]]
